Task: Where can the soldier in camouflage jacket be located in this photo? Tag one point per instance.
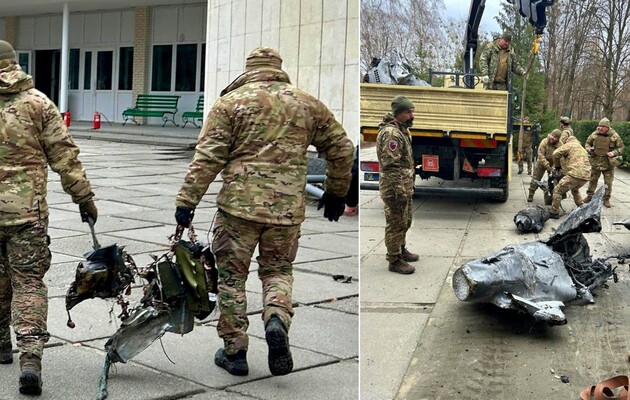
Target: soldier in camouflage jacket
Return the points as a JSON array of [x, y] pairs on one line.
[[498, 62], [32, 137], [572, 159], [604, 146], [257, 134], [397, 168]]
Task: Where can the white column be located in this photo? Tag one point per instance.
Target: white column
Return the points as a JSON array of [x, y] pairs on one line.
[[63, 92], [208, 91]]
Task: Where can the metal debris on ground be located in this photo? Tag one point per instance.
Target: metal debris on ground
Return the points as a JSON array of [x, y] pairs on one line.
[[177, 287], [540, 277], [531, 219], [342, 278]]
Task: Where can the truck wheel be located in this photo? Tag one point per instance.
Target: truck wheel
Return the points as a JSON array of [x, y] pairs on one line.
[[504, 185]]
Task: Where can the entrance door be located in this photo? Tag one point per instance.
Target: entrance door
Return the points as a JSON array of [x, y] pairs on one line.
[[97, 85], [47, 73]]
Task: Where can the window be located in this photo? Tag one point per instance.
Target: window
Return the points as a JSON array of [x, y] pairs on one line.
[[186, 70], [87, 75], [125, 71], [104, 65], [24, 59], [162, 67], [202, 76], [74, 66]]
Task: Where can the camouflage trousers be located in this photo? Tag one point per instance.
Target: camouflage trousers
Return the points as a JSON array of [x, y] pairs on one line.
[[398, 217], [567, 183], [537, 175], [24, 259], [609, 176], [527, 156], [233, 245]]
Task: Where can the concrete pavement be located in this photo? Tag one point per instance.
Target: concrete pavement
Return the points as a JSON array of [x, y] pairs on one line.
[[419, 342], [135, 188]]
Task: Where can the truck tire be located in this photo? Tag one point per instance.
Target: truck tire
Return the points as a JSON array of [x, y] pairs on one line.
[[504, 185]]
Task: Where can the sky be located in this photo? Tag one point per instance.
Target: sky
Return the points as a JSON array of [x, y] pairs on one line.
[[458, 9]]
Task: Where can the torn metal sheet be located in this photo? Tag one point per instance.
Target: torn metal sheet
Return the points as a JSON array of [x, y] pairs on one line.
[[540, 277], [531, 219]]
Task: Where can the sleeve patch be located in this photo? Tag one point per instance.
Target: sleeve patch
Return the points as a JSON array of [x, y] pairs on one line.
[[393, 145]]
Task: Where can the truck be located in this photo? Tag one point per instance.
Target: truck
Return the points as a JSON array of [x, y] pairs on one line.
[[461, 133]]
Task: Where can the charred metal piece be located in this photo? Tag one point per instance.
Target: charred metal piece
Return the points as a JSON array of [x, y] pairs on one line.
[[540, 277], [531, 219]]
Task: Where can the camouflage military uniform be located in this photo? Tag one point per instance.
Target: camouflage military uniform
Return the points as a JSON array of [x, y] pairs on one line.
[[544, 162], [573, 160], [257, 134], [598, 145], [489, 65], [395, 156], [33, 136], [526, 150], [566, 133]]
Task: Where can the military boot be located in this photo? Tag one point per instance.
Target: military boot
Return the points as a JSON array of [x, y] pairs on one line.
[[6, 354], [408, 256], [607, 203], [530, 198], [31, 376], [279, 359], [235, 364], [401, 267]]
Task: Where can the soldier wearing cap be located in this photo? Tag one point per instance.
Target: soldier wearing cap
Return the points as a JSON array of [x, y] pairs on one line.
[[565, 128], [527, 142], [34, 138], [572, 159], [257, 134], [497, 63], [544, 161], [397, 167], [604, 146]]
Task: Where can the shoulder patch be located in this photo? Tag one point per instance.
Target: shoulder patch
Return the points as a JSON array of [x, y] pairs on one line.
[[393, 145]]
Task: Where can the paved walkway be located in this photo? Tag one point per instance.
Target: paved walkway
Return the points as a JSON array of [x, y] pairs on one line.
[[135, 188]]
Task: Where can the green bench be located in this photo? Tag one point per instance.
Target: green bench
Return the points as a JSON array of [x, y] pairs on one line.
[[153, 105], [191, 116]]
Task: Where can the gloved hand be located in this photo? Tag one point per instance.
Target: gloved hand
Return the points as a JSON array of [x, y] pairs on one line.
[[88, 210], [184, 216], [334, 206], [485, 79]]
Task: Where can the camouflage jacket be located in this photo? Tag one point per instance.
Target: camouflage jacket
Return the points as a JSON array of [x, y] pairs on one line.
[[545, 153], [598, 145], [573, 159], [565, 135], [395, 156], [489, 60], [258, 133], [33, 136]]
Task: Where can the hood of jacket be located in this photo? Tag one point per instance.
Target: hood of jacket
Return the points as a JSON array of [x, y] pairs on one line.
[[261, 74], [12, 79], [389, 119]]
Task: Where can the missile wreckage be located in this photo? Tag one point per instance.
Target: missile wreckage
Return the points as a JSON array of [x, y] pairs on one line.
[[540, 277]]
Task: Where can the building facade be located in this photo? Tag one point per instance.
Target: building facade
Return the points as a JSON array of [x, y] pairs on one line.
[[185, 49]]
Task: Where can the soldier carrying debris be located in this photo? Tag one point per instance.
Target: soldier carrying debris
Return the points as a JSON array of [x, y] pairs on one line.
[[34, 137], [544, 161], [573, 160]]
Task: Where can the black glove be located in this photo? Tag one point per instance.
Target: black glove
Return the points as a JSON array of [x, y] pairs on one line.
[[184, 216], [334, 206], [88, 210]]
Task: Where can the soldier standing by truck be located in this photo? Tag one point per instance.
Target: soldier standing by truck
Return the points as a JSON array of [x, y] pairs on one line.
[[573, 160], [604, 146], [544, 162], [397, 167], [527, 148], [497, 63]]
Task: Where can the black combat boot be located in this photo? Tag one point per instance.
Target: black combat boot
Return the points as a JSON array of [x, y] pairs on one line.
[[31, 376], [6, 354], [401, 267], [408, 256], [280, 360], [235, 364], [530, 198]]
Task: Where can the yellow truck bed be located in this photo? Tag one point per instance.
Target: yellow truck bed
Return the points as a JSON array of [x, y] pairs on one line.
[[439, 112]]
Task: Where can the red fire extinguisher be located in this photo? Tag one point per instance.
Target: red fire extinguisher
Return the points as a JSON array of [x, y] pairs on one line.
[[66, 118], [96, 123]]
